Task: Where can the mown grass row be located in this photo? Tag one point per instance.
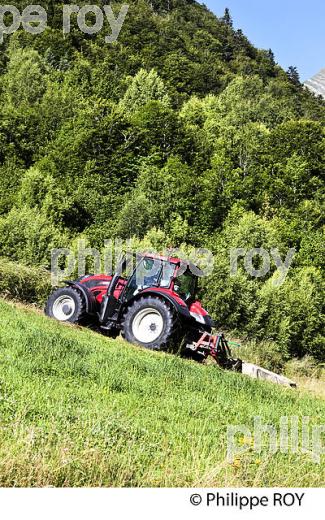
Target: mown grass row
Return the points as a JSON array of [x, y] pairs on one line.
[[78, 409], [27, 284]]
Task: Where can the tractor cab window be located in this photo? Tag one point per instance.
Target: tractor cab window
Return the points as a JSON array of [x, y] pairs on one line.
[[149, 272], [155, 273], [168, 272], [185, 285]]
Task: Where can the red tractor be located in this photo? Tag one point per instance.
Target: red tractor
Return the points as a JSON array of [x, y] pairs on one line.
[[154, 305]]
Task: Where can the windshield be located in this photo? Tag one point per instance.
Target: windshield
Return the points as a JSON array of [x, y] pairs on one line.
[[148, 272], [155, 272], [185, 285], [151, 272]]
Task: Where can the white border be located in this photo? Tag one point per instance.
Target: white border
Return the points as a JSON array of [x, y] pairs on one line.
[[86, 504]]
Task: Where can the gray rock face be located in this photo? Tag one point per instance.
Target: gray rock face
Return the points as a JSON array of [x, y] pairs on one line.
[[317, 83]]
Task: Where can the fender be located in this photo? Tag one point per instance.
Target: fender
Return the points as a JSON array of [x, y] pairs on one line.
[[180, 309], [90, 299]]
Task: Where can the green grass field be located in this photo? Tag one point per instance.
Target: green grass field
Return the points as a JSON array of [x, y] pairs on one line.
[[78, 409]]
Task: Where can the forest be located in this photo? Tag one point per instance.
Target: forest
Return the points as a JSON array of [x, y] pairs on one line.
[[179, 134]]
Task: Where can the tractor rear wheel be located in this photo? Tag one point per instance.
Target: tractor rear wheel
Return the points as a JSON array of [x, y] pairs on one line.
[[150, 323], [66, 304]]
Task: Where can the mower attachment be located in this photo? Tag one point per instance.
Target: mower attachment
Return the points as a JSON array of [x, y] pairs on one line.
[[217, 347]]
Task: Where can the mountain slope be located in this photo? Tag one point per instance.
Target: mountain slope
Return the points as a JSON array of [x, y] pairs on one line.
[[317, 83], [78, 409]]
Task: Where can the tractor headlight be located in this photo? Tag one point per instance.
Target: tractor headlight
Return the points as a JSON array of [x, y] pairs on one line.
[[198, 317]]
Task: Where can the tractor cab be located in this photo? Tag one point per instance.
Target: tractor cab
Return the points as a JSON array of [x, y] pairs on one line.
[[150, 272], [135, 274], [166, 277], [168, 273]]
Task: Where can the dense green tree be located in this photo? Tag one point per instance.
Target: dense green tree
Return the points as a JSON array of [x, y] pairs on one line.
[[144, 87], [25, 81]]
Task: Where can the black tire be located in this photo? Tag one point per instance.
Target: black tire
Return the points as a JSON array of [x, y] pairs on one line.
[[73, 311], [169, 334]]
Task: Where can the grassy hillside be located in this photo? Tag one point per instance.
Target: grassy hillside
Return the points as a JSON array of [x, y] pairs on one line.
[[77, 409]]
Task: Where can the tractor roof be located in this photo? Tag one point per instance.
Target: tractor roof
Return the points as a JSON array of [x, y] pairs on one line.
[[171, 259], [175, 260]]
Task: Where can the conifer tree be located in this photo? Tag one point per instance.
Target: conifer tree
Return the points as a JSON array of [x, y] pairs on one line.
[[293, 75], [227, 19]]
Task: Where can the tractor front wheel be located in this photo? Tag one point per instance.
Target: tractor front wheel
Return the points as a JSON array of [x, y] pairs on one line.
[[150, 323]]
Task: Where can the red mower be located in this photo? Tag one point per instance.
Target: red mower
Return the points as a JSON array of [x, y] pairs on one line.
[[153, 305]]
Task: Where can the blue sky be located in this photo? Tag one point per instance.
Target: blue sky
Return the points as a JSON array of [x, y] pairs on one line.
[[293, 29]]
